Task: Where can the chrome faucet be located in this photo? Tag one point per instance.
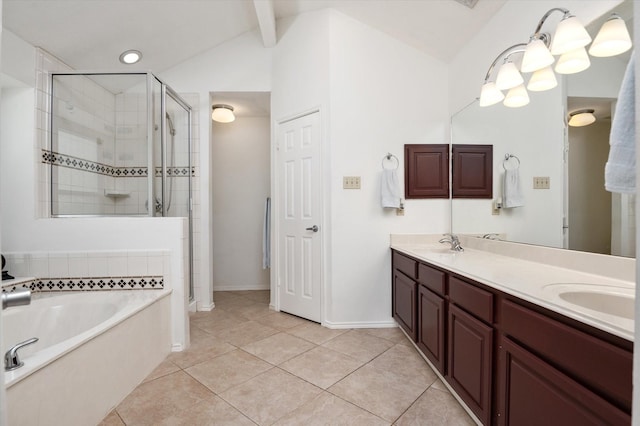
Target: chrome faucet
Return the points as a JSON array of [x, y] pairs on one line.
[[11, 359], [454, 241]]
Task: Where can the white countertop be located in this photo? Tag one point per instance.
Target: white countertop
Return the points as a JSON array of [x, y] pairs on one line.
[[533, 281]]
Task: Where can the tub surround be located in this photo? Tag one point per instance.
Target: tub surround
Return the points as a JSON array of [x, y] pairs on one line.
[[78, 380], [530, 273]]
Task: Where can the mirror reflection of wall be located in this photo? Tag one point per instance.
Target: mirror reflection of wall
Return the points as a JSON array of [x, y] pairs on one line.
[[576, 212]]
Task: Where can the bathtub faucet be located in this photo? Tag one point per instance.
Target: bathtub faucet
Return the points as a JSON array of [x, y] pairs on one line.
[[16, 298], [11, 359]]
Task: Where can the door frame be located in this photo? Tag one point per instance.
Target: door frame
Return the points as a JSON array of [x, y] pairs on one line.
[[276, 190]]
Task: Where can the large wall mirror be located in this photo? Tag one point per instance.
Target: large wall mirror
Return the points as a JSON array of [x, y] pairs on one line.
[[575, 212]]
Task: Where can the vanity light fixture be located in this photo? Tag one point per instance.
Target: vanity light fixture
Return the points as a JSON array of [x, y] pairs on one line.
[[508, 76], [490, 93], [542, 80], [573, 61], [581, 117], [612, 39], [516, 97], [569, 42], [222, 113], [130, 57]]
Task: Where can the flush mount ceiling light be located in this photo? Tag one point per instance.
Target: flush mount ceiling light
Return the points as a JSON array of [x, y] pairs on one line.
[[130, 57], [581, 117], [222, 113], [568, 42]]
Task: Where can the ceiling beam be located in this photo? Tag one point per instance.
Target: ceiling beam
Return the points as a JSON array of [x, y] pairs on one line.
[[267, 21]]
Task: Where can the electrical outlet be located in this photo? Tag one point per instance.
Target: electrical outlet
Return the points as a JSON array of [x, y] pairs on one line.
[[351, 182], [495, 210], [400, 211], [541, 182]]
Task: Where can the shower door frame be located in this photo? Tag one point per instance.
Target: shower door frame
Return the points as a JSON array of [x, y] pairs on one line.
[[165, 90]]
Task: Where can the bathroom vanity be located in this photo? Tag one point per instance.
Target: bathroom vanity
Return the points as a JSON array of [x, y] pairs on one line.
[[520, 341]]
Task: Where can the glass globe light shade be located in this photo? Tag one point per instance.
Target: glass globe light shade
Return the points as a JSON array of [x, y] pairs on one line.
[[612, 39], [508, 76], [490, 94], [573, 61], [516, 97], [570, 34], [536, 56], [541, 80]]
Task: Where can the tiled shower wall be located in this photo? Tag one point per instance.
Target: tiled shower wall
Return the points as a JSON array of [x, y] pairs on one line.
[[120, 157]]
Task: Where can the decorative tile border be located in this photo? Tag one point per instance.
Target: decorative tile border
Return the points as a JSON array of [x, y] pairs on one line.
[[71, 162], [89, 284], [176, 171]]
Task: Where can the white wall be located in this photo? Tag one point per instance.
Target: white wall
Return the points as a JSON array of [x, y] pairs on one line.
[[375, 95], [241, 64], [240, 166], [384, 94]]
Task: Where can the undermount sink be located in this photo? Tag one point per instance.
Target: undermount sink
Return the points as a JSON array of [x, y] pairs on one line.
[[607, 299]]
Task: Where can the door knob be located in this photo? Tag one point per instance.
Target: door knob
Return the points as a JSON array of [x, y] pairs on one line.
[[314, 228]]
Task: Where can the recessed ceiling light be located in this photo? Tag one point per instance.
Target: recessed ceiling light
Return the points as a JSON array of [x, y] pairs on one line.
[[130, 57]]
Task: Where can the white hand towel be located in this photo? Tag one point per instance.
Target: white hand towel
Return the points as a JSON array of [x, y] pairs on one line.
[[512, 195], [390, 194], [620, 170]]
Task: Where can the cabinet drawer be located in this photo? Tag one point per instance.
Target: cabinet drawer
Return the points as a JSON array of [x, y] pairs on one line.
[[431, 278], [473, 299], [597, 364], [407, 265]]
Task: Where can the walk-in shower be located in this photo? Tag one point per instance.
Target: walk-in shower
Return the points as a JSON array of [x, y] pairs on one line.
[[120, 145]]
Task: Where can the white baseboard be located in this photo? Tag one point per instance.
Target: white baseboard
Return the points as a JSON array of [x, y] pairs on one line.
[[177, 347], [192, 306], [206, 308], [363, 324], [241, 287]]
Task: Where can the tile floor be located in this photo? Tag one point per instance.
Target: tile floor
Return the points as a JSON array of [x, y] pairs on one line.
[[249, 365]]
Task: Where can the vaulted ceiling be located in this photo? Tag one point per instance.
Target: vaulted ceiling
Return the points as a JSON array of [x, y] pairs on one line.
[[91, 34]]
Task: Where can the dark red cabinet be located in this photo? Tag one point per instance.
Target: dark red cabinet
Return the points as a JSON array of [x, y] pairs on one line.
[[512, 362], [532, 392], [426, 171], [469, 369], [431, 327], [404, 303]]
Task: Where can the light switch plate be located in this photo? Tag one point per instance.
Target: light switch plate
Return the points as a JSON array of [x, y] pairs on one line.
[[351, 182], [541, 182]]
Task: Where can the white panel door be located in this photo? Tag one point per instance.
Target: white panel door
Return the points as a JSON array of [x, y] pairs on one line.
[[299, 242]]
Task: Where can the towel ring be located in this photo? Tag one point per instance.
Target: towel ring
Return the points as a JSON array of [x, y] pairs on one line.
[[390, 157], [507, 157]]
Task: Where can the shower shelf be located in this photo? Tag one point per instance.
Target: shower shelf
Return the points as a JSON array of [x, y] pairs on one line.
[[115, 193]]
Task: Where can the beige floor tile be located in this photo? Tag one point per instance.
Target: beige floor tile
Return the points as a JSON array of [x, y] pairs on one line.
[[439, 386], [196, 332], [278, 348], [282, 321], [153, 401], [201, 350], [220, 325], [228, 370], [224, 295], [392, 334], [212, 411], [230, 304], [252, 310], [321, 366], [270, 396], [404, 360], [315, 333], [166, 367], [262, 296], [113, 419], [245, 333], [328, 409], [382, 393], [361, 346], [435, 408]]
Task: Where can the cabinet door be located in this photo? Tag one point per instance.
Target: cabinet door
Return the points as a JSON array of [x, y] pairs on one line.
[[431, 330], [534, 393], [426, 171], [404, 303], [470, 361]]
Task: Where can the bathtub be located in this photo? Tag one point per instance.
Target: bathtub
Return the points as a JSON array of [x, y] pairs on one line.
[[93, 349]]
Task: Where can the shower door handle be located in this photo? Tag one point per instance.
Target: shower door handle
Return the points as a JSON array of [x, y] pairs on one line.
[[314, 228]]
